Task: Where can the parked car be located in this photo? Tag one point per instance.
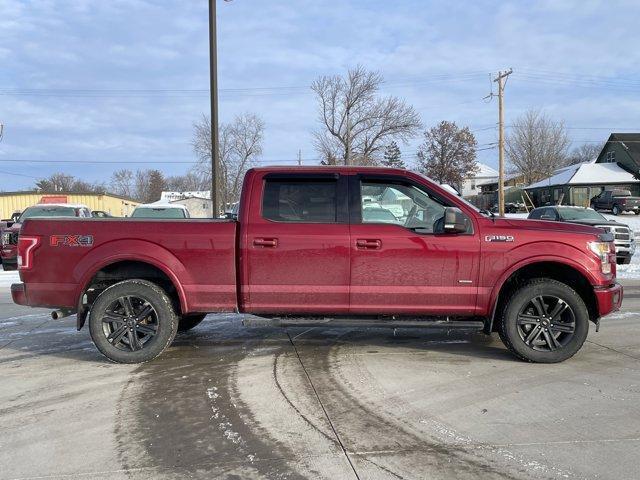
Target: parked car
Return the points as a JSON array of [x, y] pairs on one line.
[[617, 201], [624, 237], [303, 252], [101, 214], [9, 240], [160, 210]]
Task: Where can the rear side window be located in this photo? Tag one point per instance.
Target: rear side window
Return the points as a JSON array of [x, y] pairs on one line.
[[300, 201]]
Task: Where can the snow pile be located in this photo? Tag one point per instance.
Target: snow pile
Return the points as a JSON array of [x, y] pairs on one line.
[[7, 278]]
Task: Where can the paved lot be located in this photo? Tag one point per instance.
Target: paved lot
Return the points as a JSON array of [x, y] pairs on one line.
[[229, 402]]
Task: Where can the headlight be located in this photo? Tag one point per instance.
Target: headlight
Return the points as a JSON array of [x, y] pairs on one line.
[[602, 251]]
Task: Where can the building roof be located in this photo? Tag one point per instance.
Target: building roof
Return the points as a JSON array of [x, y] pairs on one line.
[[630, 142], [587, 173], [57, 194], [485, 171], [172, 196]]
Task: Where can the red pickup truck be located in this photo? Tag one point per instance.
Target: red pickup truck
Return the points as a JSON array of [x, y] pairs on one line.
[[325, 245]]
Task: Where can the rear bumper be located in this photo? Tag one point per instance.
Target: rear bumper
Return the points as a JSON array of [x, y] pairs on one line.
[[609, 299], [19, 293]]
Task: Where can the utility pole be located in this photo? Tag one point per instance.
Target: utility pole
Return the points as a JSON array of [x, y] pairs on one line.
[[347, 159], [299, 157], [213, 79], [500, 79]]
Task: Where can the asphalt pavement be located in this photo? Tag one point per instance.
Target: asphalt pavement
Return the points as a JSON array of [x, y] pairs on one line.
[[231, 402]]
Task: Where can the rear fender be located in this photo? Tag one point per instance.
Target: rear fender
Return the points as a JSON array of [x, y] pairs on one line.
[[132, 250]]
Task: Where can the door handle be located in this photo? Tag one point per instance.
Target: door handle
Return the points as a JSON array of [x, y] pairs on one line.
[[368, 244], [265, 242]]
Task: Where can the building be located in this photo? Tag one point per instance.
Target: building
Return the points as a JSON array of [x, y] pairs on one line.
[[115, 205], [172, 196], [615, 167], [470, 184], [623, 149], [578, 184], [198, 207]]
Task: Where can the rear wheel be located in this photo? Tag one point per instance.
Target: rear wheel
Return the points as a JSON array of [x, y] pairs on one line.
[[187, 322], [132, 321], [615, 210], [545, 321]]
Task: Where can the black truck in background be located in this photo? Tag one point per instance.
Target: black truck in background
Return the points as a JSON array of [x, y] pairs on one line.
[[617, 201]]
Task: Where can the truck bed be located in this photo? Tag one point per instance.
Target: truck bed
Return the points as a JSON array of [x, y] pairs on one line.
[[198, 256]]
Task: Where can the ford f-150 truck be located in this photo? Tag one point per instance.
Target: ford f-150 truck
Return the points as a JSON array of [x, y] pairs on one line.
[[352, 246]]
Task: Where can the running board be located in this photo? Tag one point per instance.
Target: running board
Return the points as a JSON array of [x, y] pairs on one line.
[[251, 321]]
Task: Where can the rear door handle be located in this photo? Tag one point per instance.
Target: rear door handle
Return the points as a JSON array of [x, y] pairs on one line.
[[368, 244], [265, 242]]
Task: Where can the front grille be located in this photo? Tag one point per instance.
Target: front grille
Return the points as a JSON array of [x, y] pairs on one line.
[[622, 233]]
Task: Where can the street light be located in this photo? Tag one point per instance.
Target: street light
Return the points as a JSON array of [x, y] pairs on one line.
[[213, 78]]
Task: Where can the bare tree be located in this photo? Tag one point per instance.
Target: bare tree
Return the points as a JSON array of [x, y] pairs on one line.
[[536, 146], [122, 183], [240, 144], [356, 123], [448, 154], [585, 153], [62, 182]]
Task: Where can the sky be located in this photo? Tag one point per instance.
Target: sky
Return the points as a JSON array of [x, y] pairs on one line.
[[88, 87]]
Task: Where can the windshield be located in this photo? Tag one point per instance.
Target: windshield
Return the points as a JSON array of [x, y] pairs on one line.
[[580, 214], [161, 212], [47, 212]]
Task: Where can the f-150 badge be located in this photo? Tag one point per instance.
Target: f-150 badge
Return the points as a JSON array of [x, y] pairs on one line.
[[498, 238], [71, 240]]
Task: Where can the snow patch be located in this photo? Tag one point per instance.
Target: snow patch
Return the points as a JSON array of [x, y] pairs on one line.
[[7, 278]]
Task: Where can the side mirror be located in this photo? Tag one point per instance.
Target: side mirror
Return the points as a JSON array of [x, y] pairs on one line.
[[455, 221]]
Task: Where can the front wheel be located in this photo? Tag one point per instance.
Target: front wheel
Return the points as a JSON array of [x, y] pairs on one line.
[[132, 321], [545, 321]]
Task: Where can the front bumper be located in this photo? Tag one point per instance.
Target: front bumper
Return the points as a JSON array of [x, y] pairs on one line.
[[609, 299]]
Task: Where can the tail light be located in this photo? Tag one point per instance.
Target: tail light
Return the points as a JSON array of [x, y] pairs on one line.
[[26, 247]]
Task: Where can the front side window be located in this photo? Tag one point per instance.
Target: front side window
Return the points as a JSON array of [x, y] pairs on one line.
[[400, 204], [300, 201]]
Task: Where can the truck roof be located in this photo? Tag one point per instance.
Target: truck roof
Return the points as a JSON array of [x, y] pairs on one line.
[[329, 168]]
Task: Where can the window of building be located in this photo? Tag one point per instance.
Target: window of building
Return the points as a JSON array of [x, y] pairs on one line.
[[611, 157], [300, 201]]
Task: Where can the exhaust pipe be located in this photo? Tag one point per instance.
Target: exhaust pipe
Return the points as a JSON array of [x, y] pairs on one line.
[[58, 314]]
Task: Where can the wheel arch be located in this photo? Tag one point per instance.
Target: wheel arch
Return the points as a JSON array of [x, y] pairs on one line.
[[109, 272], [561, 271]]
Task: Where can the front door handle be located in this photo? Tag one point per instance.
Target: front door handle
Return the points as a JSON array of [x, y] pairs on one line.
[[265, 242], [368, 244]]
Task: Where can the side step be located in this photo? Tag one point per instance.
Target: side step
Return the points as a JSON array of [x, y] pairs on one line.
[[439, 324]]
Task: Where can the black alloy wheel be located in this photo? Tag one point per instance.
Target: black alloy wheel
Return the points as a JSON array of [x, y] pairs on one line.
[[129, 323], [546, 323], [132, 321]]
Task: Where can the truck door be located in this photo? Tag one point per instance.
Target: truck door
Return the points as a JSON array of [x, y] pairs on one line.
[[295, 248], [401, 262]]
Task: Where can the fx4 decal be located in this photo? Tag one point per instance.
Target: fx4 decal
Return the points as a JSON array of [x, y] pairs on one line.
[[71, 240], [499, 238]]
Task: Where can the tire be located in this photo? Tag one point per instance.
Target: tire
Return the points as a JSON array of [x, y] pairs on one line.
[[615, 210], [132, 340], [623, 260], [637, 212], [9, 267], [530, 341], [187, 322]]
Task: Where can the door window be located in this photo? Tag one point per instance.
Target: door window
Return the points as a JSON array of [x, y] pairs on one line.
[[400, 204], [300, 201]]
